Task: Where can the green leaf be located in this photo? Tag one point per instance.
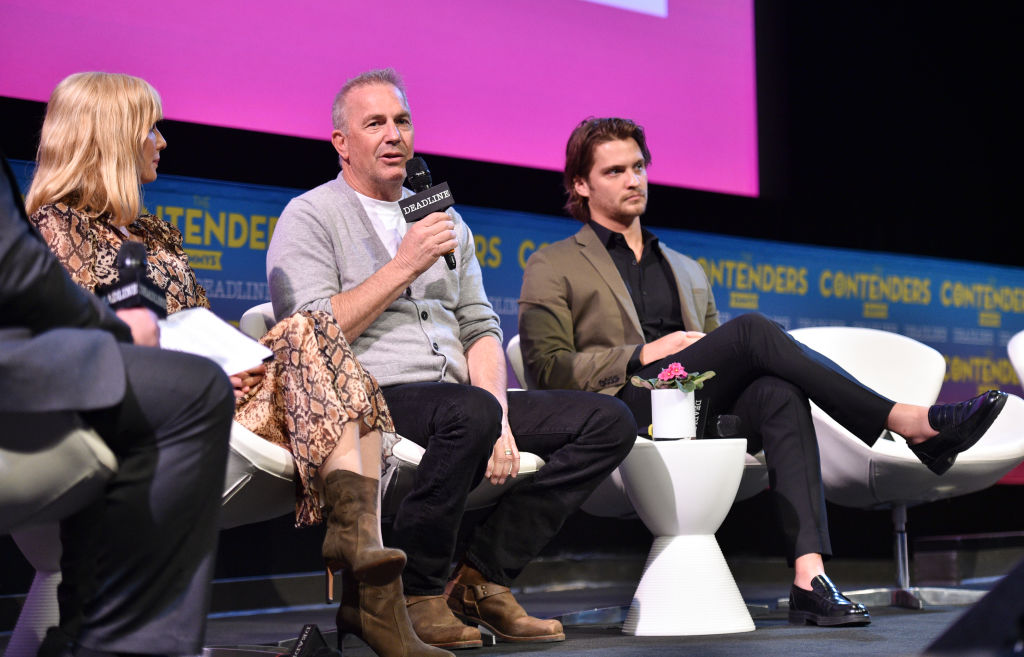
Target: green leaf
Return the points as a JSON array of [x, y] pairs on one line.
[[641, 383]]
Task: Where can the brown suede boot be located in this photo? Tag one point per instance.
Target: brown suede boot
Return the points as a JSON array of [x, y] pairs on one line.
[[377, 615], [435, 624], [476, 600], [352, 541]]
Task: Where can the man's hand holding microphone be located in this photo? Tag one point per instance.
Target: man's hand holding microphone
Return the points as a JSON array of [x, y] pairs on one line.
[[431, 232], [425, 241]]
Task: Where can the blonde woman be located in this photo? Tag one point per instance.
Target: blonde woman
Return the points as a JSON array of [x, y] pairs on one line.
[[100, 142]]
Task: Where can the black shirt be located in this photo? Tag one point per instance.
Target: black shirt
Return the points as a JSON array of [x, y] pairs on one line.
[[651, 285]]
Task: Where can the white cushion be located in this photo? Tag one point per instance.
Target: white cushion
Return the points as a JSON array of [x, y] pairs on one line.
[[51, 465]]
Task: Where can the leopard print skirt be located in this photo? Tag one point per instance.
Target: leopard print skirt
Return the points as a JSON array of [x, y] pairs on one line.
[[313, 387]]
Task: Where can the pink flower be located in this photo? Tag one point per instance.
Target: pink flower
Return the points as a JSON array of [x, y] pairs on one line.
[[673, 371]]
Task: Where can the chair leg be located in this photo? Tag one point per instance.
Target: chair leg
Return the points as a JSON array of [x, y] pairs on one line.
[[903, 594], [41, 546], [38, 613]]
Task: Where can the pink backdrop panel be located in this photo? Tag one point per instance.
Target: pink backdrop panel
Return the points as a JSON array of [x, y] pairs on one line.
[[496, 81]]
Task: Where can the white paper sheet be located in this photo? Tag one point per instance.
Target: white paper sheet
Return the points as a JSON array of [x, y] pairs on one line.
[[198, 331]]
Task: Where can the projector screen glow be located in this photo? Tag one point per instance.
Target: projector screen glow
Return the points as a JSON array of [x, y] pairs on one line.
[[495, 81]]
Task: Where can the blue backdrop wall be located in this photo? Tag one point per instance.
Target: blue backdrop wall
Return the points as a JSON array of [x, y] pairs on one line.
[[965, 310]]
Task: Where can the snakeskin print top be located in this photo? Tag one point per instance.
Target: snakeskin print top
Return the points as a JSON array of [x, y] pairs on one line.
[[87, 246]]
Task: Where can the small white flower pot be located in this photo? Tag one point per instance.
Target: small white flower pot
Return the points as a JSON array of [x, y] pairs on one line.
[[673, 415]]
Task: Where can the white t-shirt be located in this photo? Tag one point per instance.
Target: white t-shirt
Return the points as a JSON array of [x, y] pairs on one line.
[[387, 220]]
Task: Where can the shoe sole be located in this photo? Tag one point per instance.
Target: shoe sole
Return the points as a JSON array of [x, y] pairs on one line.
[[944, 462], [547, 638], [456, 645], [450, 646], [808, 618]]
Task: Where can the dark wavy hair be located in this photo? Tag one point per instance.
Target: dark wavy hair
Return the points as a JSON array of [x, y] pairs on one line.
[[579, 155]]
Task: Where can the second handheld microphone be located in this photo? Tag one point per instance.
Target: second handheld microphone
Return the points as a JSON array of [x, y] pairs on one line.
[[427, 199], [133, 289]]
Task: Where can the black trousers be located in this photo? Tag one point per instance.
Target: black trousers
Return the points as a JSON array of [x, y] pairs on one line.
[[766, 378], [581, 436], [137, 563]]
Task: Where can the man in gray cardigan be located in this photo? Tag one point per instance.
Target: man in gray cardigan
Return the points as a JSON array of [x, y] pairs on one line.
[[432, 340]]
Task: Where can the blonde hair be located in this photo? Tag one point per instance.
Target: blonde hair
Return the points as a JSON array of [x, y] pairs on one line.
[[91, 147]]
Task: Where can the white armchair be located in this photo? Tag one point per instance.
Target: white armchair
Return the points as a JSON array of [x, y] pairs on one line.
[[51, 465], [55, 482], [888, 475], [1015, 349]]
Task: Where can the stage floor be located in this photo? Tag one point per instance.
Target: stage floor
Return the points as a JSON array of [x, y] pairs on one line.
[[892, 633]]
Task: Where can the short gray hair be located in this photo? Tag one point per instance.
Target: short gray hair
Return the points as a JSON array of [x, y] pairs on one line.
[[377, 76]]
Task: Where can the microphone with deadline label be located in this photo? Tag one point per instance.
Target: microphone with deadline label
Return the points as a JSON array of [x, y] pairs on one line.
[[427, 199], [133, 289]]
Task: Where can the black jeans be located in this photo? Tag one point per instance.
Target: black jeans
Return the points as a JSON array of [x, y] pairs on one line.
[[581, 436], [766, 377], [137, 563]]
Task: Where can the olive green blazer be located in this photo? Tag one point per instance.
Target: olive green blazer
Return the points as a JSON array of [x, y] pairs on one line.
[[578, 328]]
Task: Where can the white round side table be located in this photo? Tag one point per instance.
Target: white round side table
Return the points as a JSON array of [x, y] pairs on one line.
[[682, 490]]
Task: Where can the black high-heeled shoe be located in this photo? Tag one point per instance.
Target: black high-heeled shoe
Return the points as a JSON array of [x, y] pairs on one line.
[[960, 426]]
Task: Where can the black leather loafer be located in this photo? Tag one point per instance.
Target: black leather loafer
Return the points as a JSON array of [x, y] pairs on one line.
[[960, 426], [825, 605]]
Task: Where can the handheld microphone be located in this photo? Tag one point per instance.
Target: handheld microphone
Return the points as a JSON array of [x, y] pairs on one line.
[[427, 198], [133, 289]]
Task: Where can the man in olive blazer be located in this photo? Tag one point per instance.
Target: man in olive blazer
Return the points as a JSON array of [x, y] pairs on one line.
[[611, 302], [137, 562], [576, 308]]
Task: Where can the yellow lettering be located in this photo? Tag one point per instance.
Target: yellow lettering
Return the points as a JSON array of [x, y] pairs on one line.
[[480, 246], [981, 370], [495, 253], [192, 229], [526, 248], [874, 310], [201, 259], [257, 237], [875, 287], [946, 293], [271, 225], [214, 228], [825, 284], [801, 281], [982, 296], [238, 230], [990, 319], [745, 300], [739, 275]]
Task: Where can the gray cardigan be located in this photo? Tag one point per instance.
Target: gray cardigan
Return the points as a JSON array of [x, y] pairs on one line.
[[324, 243]]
